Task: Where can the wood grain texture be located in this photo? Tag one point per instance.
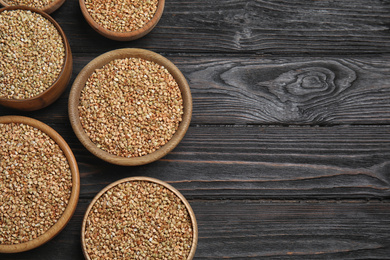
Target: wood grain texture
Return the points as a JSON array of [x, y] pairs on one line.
[[264, 230], [241, 162], [219, 162], [287, 91], [254, 162], [279, 230], [253, 26], [258, 162], [288, 152], [281, 91]]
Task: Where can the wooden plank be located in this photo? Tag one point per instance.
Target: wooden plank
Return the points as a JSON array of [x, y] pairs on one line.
[[255, 229], [265, 27], [282, 91], [264, 180], [309, 230], [313, 91], [262, 162], [254, 162]]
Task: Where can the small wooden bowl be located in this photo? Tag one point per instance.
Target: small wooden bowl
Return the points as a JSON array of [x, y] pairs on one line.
[[152, 180], [123, 36], [58, 87], [68, 213], [99, 62], [47, 9]]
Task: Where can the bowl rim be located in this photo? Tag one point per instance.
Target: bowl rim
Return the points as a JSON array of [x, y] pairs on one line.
[[67, 58], [123, 36], [152, 180], [99, 62], [73, 200], [51, 7]]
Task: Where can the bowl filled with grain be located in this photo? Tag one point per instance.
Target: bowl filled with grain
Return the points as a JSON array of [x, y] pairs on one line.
[[122, 20], [139, 218], [130, 106], [47, 6], [36, 60], [39, 183]]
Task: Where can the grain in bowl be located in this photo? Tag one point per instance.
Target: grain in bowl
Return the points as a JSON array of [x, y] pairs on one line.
[[122, 20], [139, 218], [130, 106], [35, 58], [39, 183], [122, 15], [47, 6]]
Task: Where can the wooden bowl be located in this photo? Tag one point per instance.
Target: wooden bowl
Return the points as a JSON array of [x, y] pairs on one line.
[[123, 36], [67, 214], [146, 179], [57, 88], [47, 9], [99, 62]]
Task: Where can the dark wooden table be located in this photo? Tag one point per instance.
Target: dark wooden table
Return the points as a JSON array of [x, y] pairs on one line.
[[288, 153]]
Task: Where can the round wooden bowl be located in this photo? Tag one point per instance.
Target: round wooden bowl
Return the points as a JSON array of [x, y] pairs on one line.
[[57, 88], [47, 9], [147, 179], [123, 36], [68, 213], [99, 62]]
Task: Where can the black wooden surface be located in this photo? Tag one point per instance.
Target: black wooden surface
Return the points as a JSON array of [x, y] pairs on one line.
[[288, 153]]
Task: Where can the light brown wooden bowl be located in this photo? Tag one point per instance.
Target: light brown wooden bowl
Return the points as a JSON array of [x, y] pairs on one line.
[[123, 36], [147, 179], [47, 9], [99, 62], [57, 88], [68, 213]]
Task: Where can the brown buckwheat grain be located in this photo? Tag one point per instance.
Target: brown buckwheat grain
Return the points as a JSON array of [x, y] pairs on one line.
[[131, 107], [35, 183], [138, 220], [32, 54], [31, 3], [122, 15]]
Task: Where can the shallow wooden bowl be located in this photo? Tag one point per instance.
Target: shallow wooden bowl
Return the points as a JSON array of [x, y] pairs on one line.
[[99, 62], [123, 36], [57, 88], [147, 179], [47, 9], [68, 213]]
